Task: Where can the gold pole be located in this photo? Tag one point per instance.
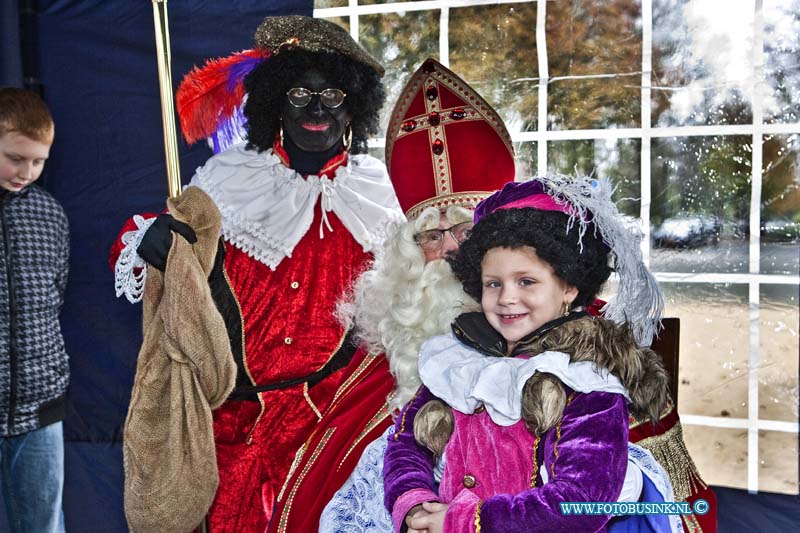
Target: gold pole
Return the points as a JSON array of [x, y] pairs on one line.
[[165, 87], [168, 114]]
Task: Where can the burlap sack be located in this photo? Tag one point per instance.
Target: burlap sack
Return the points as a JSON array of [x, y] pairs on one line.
[[185, 369]]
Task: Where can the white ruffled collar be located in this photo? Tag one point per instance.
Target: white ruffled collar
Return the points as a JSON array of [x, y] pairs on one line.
[[267, 207], [465, 378]]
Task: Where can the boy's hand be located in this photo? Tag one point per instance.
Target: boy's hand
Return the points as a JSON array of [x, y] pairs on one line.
[[157, 240], [430, 519]]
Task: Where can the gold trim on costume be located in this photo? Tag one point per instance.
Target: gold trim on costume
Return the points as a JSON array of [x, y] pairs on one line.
[[445, 117], [405, 411], [249, 439], [690, 523], [478, 517], [350, 381], [336, 399], [335, 350], [328, 432], [671, 453], [436, 133], [374, 422], [330, 166], [298, 457], [287, 508], [535, 463], [558, 438], [467, 199], [310, 402]]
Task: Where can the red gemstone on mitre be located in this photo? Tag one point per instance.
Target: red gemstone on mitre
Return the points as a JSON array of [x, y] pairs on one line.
[[409, 125], [434, 119], [431, 93], [458, 114], [438, 147]]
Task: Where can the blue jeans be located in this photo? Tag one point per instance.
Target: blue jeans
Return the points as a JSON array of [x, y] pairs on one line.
[[32, 473]]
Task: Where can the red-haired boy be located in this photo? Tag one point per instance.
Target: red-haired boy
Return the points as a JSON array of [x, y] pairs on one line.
[[34, 371]]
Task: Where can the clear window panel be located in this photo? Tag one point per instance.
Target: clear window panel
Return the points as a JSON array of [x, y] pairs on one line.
[[400, 42], [780, 205], [344, 22], [378, 153], [702, 62], [371, 2], [322, 4], [779, 344], [700, 210], [526, 160], [719, 453], [777, 462], [617, 160], [494, 49], [714, 347], [781, 50], [594, 38]]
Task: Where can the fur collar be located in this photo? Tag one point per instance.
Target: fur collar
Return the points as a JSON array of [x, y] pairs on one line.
[[613, 348], [583, 338]]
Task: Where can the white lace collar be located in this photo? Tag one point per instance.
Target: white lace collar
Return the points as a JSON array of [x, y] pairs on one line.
[[267, 208], [465, 378]]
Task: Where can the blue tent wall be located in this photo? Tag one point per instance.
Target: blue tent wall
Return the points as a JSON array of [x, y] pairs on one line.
[[98, 71], [11, 58]]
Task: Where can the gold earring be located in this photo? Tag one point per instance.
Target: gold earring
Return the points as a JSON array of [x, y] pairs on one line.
[[347, 138], [566, 308], [280, 134]]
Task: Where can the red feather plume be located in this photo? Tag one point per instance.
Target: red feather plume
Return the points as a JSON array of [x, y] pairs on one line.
[[209, 95]]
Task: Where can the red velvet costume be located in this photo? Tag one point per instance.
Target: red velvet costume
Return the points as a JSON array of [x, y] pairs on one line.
[[289, 331], [292, 245], [357, 416]]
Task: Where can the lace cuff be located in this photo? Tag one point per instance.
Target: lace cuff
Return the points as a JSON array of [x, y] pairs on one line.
[[130, 270]]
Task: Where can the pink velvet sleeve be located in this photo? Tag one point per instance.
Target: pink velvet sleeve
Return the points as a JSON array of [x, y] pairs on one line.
[[407, 466], [590, 467]]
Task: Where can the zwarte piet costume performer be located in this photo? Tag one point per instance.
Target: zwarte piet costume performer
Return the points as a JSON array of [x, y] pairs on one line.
[[446, 149], [301, 214]]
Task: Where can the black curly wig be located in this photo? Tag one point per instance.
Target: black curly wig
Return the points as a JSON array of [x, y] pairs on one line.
[[545, 231], [267, 84]]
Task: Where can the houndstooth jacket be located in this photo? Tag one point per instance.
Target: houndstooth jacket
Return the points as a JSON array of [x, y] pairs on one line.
[[34, 253]]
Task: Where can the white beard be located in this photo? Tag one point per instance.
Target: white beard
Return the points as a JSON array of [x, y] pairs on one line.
[[400, 303]]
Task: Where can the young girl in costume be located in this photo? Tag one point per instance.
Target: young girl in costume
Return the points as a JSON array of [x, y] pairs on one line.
[[527, 402]]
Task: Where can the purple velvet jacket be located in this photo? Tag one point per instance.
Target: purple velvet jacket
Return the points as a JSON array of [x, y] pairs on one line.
[[585, 457]]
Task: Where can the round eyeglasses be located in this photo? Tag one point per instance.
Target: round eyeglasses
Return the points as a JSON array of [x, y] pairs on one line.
[[301, 97], [432, 239]]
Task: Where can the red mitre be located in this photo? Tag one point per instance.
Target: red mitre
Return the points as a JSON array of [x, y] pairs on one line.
[[445, 145]]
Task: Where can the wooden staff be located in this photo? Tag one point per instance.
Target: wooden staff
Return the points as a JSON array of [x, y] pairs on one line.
[[164, 58], [165, 88]]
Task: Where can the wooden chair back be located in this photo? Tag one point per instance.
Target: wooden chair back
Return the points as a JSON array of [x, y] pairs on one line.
[[666, 345]]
